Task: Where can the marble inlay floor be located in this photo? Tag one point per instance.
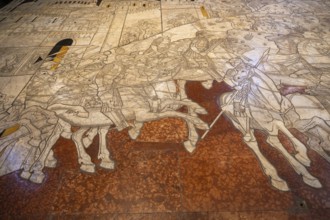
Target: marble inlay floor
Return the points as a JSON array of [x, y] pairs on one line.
[[171, 109]]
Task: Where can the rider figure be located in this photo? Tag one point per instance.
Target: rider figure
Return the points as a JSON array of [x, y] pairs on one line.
[[197, 57], [107, 83], [256, 97]]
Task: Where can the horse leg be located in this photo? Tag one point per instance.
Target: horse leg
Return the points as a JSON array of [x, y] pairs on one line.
[[89, 136], [104, 153], [66, 133], [51, 161], [268, 168], [301, 156], [26, 173], [182, 91], [84, 159], [190, 144], [38, 176], [298, 167]]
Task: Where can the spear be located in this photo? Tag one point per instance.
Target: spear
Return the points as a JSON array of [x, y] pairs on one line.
[[219, 115], [262, 58]]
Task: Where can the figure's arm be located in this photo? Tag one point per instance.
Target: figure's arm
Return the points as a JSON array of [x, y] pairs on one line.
[[287, 80]]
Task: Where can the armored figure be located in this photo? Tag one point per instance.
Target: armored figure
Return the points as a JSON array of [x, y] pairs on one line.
[[107, 89]]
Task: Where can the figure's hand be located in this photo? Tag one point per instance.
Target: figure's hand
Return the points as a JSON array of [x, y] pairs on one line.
[[106, 107], [227, 108]]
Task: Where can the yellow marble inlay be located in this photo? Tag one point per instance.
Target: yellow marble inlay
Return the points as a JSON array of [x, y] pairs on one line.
[[204, 12], [9, 131], [59, 56]]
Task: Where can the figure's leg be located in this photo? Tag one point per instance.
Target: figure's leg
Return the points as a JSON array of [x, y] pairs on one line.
[[83, 158], [298, 167], [268, 168], [299, 147], [104, 153]]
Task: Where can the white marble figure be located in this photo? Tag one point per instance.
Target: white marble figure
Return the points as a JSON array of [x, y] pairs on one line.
[[256, 103], [129, 63]]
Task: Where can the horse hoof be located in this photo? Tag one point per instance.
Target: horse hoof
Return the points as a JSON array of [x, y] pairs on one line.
[[25, 174], [313, 182], [304, 160], [109, 165], [280, 184], [201, 111], [89, 168], [51, 163], [207, 84], [133, 133], [189, 146], [37, 177]]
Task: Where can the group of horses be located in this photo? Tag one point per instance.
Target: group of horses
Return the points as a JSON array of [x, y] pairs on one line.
[[139, 105]]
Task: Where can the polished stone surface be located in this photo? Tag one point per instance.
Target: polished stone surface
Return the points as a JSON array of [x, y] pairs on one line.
[[165, 109]]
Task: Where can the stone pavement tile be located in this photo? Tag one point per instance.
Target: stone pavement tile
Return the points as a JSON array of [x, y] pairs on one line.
[[204, 184], [320, 214], [79, 216], [66, 154], [260, 215], [27, 216], [162, 216], [229, 183], [22, 197], [144, 181], [314, 198], [252, 189], [169, 130], [219, 145], [279, 162]]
